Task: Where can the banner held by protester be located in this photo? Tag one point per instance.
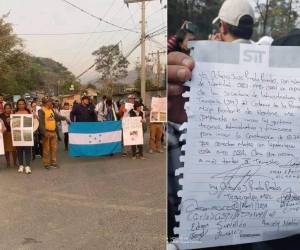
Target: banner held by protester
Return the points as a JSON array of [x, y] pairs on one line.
[[22, 129], [132, 131], [95, 138], [158, 109]]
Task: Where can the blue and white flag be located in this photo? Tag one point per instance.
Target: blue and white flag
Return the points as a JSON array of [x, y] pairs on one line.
[[95, 138]]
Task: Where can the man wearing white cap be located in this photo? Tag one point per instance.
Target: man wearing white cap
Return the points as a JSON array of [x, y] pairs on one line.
[[235, 24], [235, 20]]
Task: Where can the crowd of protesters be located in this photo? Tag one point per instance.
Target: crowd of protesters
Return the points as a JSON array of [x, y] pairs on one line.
[[47, 113]]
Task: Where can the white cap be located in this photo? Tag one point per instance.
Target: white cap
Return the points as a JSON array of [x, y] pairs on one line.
[[232, 10]]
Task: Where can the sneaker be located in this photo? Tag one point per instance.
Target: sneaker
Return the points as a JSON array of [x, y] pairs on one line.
[[54, 165], [150, 151], [38, 156], [143, 158], [21, 169], [27, 170], [133, 158], [47, 167], [124, 154], [159, 151]]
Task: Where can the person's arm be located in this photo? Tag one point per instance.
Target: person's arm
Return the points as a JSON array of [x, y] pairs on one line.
[[2, 126], [59, 117], [42, 128]]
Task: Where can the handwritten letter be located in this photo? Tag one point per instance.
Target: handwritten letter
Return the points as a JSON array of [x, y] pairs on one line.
[[241, 175]]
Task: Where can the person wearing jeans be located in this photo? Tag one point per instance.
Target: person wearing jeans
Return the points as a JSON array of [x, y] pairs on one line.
[[23, 151], [24, 156]]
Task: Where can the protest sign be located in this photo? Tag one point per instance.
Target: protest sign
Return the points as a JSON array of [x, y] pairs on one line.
[[242, 154], [1, 141], [64, 124], [22, 129], [158, 109], [128, 106], [132, 131], [16, 98]]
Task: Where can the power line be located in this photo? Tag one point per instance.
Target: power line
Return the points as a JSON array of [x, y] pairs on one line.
[[126, 21], [77, 56], [127, 55], [111, 38], [149, 35], [98, 18], [157, 32], [63, 34], [89, 68], [159, 43]]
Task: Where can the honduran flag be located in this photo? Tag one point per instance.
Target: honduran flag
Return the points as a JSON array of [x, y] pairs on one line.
[[95, 138]]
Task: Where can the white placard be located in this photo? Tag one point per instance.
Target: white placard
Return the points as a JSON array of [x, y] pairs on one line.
[[159, 104], [241, 175], [132, 131], [1, 141], [128, 106], [158, 117], [64, 124], [158, 109], [22, 129]]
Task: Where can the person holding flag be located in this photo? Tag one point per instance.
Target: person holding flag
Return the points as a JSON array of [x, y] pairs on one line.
[[83, 112]]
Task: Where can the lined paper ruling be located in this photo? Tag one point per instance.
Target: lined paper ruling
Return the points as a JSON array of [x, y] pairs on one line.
[[241, 174]]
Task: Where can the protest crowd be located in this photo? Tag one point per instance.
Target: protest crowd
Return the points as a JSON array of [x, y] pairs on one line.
[[44, 121]]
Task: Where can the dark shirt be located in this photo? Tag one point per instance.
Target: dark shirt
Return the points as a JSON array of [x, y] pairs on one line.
[[292, 39], [82, 113], [6, 121], [132, 113]]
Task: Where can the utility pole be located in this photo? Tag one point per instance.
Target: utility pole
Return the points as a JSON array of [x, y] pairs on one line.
[[159, 68], [143, 56], [143, 46]]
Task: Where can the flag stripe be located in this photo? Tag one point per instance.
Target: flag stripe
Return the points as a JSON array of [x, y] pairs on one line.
[[95, 150], [94, 127], [95, 138]]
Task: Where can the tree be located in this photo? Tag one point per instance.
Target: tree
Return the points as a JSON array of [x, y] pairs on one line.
[[276, 17], [11, 56], [21, 72], [200, 12], [111, 64]]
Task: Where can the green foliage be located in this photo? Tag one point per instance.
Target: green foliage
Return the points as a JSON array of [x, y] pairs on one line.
[[277, 17], [21, 72], [200, 12], [111, 64]]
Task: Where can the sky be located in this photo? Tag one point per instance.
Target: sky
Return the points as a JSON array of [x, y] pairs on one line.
[[75, 51]]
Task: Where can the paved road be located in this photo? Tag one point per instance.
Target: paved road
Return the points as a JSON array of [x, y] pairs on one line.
[[89, 203]]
